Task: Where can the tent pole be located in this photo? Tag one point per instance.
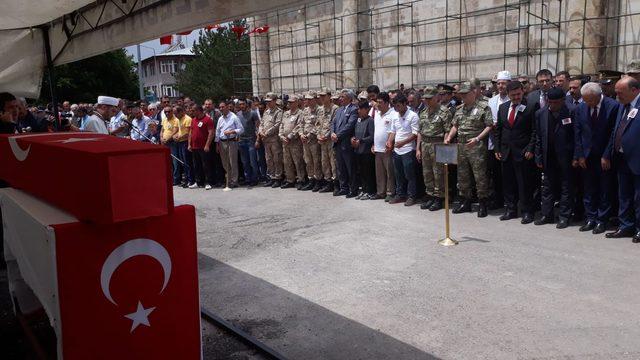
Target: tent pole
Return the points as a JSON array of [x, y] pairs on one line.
[[52, 77]]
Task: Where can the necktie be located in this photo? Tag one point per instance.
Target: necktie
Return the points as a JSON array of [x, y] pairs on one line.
[[594, 118], [512, 115], [543, 100], [623, 125]]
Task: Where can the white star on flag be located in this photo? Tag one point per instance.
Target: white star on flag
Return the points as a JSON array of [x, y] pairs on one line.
[[74, 140], [141, 316]]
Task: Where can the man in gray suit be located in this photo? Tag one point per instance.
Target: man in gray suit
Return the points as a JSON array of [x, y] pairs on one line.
[[342, 130]]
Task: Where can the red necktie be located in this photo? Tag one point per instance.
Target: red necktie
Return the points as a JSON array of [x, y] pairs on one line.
[[512, 115]]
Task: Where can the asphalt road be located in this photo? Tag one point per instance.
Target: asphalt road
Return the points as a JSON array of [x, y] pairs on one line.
[[319, 277]]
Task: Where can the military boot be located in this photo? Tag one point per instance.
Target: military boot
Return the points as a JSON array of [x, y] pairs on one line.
[[464, 206], [482, 208], [319, 185], [310, 185]]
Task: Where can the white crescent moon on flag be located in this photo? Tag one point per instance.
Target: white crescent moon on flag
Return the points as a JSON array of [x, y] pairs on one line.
[[21, 155], [128, 250]]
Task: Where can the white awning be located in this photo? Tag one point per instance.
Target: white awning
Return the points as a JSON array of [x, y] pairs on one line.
[[80, 31]]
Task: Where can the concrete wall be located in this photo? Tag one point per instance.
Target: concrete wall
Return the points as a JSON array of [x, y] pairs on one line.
[[353, 43]]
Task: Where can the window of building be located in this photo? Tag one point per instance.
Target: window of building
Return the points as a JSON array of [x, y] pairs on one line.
[[168, 66], [149, 70], [168, 90]]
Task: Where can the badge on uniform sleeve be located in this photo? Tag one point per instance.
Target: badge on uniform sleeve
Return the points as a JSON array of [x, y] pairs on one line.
[[566, 121], [521, 108], [200, 124], [633, 112], [475, 111]]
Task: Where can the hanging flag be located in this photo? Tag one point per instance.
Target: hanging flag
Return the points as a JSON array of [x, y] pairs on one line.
[[239, 30], [260, 30], [166, 40], [185, 32]]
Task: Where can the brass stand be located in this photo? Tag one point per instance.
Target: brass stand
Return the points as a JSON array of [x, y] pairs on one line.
[[447, 241]]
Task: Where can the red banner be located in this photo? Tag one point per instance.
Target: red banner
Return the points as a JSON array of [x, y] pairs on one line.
[[96, 178], [129, 290], [166, 40]]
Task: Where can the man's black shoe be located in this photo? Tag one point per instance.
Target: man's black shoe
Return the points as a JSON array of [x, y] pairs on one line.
[[620, 234], [465, 206], [341, 193], [427, 204], [508, 215], [526, 219], [588, 226], [287, 185], [600, 228], [268, 183], [276, 184], [636, 238], [562, 224], [436, 205], [351, 195], [482, 209], [544, 220]]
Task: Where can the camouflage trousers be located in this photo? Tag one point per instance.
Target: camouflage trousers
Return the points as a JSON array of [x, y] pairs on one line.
[[432, 172], [472, 164], [273, 156], [312, 156], [293, 161], [328, 156]]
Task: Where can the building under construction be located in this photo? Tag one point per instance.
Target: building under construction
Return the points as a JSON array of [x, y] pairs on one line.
[[355, 43]]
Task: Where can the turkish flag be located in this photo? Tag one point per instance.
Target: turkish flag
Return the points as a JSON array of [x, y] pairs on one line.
[[96, 178], [129, 290], [166, 40]]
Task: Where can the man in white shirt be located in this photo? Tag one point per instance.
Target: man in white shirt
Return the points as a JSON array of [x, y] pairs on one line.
[[117, 125], [385, 178], [402, 138], [228, 129], [493, 165], [140, 122]]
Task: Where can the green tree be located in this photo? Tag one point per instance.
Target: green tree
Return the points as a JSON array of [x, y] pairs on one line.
[[221, 66], [113, 74]]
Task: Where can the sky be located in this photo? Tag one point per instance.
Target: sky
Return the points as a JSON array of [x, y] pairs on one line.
[[146, 48]]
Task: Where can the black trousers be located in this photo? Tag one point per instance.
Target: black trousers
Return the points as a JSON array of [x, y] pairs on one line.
[[494, 171], [346, 169], [518, 184], [558, 176], [366, 164], [203, 166]]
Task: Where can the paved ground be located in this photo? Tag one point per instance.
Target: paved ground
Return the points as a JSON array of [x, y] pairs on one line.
[[319, 277]]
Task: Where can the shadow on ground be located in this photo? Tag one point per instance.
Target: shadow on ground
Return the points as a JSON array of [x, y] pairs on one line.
[[290, 324]]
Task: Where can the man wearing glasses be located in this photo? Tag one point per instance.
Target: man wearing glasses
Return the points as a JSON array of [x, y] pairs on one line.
[[105, 109]]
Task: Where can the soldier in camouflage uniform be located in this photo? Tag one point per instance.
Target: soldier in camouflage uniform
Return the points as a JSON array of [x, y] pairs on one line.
[[309, 135], [435, 123], [326, 112], [268, 135], [472, 123], [291, 145]]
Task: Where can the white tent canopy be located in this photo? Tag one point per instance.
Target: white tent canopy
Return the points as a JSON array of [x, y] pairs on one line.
[[78, 29]]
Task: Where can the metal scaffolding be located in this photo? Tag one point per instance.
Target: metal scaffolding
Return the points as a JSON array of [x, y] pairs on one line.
[[420, 42]]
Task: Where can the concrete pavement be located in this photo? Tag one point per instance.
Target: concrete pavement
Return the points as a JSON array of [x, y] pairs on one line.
[[320, 277]]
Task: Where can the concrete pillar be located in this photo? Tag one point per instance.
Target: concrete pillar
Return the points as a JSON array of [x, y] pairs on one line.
[[589, 60], [260, 60], [350, 43]]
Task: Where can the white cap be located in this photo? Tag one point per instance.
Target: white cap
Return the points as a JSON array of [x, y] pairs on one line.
[[504, 75], [107, 100]]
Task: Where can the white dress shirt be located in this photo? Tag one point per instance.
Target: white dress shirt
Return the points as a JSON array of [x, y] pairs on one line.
[[404, 126], [382, 127], [228, 122]]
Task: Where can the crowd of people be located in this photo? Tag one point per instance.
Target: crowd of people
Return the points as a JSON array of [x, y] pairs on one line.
[[564, 145]]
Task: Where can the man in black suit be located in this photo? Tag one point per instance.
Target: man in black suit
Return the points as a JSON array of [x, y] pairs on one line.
[[594, 118], [342, 130], [554, 155], [538, 98], [515, 145], [624, 151]]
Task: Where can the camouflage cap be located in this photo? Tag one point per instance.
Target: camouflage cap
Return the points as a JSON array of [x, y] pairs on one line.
[[363, 95], [607, 77], [271, 96], [335, 95], [475, 82], [465, 87], [293, 98], [310, 95], [444, 88], [324, 91], [429, 92], [279, 102], [634, 67]]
